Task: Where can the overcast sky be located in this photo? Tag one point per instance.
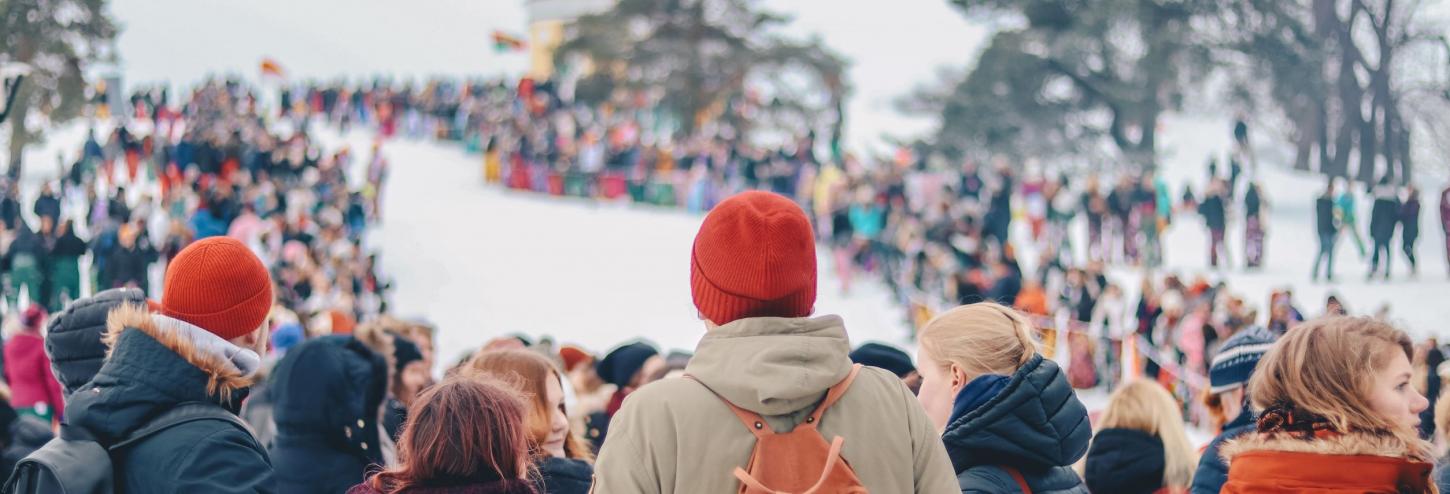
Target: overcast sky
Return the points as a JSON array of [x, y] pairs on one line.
[[893, 46]]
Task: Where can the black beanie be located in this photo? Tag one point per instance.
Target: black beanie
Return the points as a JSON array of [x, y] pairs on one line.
[[620, 366], [885, 357], [404, 353]]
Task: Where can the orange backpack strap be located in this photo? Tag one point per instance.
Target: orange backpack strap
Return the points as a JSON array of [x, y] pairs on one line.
[[833, 395], [1017, 476], [752, 420]]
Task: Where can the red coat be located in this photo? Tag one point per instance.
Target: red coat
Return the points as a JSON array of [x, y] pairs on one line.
[[27, 369], [1350, 463]]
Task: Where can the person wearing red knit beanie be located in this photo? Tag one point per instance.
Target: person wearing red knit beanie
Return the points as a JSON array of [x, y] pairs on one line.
[[196, 353], [765, 361]]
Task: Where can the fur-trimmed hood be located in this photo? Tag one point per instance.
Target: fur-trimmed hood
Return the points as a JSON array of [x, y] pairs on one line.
[[228, 367], [1355, 462], [154, 363], [1355, 444]]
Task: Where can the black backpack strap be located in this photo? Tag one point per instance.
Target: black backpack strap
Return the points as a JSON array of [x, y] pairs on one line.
[[181, 414]]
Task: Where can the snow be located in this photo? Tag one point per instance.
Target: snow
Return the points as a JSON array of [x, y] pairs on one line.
[[482, 262]]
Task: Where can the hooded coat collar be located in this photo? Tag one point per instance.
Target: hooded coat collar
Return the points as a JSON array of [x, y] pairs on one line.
[[153, 364], [1358, 462], [773, 366]]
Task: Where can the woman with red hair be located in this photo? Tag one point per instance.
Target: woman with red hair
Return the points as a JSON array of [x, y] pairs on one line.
[[464, 436]]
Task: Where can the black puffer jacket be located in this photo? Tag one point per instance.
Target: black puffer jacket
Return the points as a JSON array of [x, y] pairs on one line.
[[564, 476], [1125, 461], [23, 436], [152, 370], [1035, 424], [326, 396], [73, 336]]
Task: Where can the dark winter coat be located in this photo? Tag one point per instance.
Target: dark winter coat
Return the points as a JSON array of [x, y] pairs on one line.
[[1253, 202], [1445, 209], [1035, 424], [484, 487], [326, 395], [152, 369], [1324, 216], [47, 205], [1212, 209], [128, 266], [1125, 461], [73, 337], [1410, 221], [10, 212], [564, 476], [23, 436], [1212, 470], [1006, 289], [1385, 214]]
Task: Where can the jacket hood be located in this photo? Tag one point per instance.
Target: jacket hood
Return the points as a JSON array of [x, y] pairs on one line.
[[1036, 421], [1353, 444], [155, 363], [773, 366], [74, 338], [1355, 462], [328, 392], [1125, 461]]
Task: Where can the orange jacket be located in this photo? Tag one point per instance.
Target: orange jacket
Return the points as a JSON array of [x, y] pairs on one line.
[[1349, 463]]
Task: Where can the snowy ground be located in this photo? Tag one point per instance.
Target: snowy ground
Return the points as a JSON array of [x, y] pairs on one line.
[[483, 262]]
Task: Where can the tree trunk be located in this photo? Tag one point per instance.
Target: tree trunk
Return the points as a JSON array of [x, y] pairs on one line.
[[1368, 172], [1351, 96], [1326, 160], [19, 135]]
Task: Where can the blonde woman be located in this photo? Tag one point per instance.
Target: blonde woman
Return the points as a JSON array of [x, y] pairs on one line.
[[1141, 447], [1010, 421], [1339, 414]]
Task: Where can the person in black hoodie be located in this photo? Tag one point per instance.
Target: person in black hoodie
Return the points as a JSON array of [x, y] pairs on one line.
[[129, 264], [327, 395], [47, 205], [1410, 226], [1328, 228], [1010, 421], [1140, 447], [65, 252], [1216, 217], [1253, 226], [199, 350], [1384, 217]]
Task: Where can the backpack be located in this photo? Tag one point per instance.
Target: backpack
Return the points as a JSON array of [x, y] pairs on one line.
[[75, 463], [781, 463]]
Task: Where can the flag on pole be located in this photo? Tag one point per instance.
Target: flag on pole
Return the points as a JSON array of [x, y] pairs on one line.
[[504, 42], [270, 68]]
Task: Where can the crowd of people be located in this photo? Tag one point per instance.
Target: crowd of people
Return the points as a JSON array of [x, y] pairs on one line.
[[938, 236], [773, 399], [266, 360]]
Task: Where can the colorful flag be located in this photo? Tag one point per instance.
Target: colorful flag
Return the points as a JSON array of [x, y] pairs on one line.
[[271, 68], [504, 42]]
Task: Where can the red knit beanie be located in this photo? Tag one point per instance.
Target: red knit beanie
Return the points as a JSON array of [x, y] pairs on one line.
[[755, 256], [219, 285]]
